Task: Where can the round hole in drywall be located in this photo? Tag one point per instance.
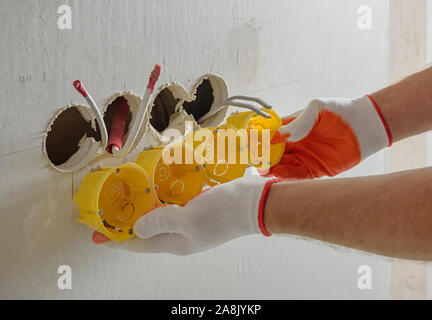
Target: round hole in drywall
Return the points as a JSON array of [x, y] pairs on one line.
[[203, 100], [220, 94], [65, 137], [164, 105], [172, 105]]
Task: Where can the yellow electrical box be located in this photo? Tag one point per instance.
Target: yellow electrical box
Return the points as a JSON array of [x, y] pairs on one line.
[[110, 200], [221, 150], [258, 139], [174, 173], [229, 153]]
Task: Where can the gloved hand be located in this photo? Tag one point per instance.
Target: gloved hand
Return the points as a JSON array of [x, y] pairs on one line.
[[215, 216], [329, 137]]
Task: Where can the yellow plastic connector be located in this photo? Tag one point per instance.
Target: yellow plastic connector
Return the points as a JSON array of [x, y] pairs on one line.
[[175, 175], [110, 200], [222, 151], [259, 142]]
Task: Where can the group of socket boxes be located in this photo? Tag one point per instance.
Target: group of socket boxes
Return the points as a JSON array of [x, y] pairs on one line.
[[110, 200]]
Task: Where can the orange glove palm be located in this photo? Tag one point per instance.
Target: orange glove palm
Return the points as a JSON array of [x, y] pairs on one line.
[[329, 137]]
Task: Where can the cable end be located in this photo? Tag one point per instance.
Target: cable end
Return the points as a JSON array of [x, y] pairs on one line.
[[80, 88], [115, 149], [154, 76]]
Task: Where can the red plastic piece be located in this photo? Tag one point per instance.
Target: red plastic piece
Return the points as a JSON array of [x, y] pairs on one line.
[[384, 122], [118, 125], [261, 206], [99, 238], [80, 88], [154, 76]]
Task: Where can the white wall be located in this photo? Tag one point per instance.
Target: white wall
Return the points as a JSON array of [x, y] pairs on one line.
[[286, 52]]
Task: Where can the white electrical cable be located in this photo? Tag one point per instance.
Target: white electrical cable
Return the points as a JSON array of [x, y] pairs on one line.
[[139, 117], [231, 102], [96, 112]]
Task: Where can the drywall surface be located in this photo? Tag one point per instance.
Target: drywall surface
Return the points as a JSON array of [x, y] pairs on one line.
[[286, 52]]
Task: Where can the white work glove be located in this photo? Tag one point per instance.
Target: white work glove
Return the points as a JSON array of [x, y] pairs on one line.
[[329, 137], [215, 216]]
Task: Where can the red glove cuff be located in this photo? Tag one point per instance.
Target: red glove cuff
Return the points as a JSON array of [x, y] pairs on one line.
[[262, 204], [384, 122]]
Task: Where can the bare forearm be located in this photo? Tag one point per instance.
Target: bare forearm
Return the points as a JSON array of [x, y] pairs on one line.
[[407, 105], [388, 214]]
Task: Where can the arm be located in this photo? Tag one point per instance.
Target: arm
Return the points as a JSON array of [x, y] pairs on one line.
[[333, 135], [387, 214], [407, 105]]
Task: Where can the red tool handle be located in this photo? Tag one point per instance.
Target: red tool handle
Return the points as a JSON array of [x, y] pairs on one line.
[[118, 125]]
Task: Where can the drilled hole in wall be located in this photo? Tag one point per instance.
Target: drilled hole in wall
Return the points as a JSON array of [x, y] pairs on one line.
[[163, 108], [203, 100], [65, 134], [111, 110], [165, 105]]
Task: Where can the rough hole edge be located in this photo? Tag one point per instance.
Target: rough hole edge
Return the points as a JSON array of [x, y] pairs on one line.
[[220, 94], [87, 147]]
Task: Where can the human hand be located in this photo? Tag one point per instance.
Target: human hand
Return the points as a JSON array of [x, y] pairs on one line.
[[330, 136], [215, 216]]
